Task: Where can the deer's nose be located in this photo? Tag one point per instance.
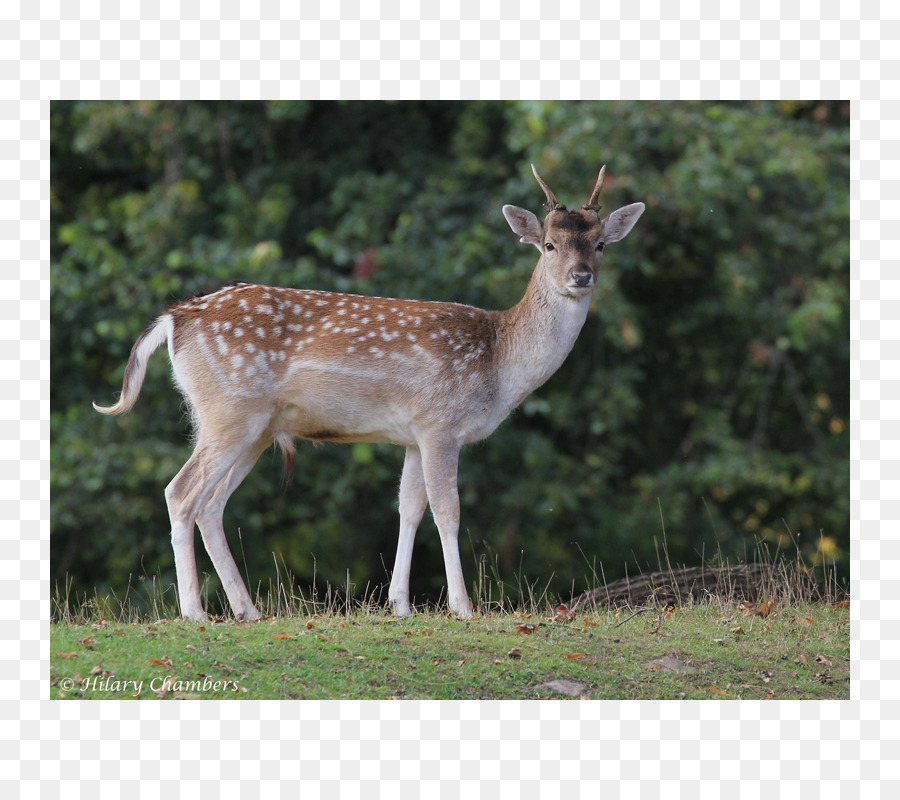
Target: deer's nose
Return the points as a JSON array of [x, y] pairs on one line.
[[582, 279]]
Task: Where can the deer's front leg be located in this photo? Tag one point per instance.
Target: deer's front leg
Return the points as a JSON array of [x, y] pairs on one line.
[[413, 500], [439, 465]]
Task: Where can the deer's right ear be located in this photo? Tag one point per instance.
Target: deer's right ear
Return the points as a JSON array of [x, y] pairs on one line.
[[525, 224]]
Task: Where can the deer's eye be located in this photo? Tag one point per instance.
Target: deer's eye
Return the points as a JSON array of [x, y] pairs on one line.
[[600, 246], [549, 246]]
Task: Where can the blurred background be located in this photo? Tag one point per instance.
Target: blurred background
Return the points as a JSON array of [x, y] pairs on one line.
[[703, 411]]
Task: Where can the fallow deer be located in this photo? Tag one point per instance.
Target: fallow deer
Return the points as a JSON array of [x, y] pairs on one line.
[[259, 365]]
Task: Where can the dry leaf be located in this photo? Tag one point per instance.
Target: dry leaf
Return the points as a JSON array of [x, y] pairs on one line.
[[281, 636], [460, 662], [323, 638], [310, 625], [801, 659], [842, 604], [568, 688], [738, 631], [669, 663], [60, 654], [164, 662], [87, 642], [820, 659], [165, 688], [526, 628], [515, 653], [563, 614], [96, 670], [574, 655]]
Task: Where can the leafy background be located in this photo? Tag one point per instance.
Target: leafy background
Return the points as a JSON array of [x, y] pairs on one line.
[[705, 405]]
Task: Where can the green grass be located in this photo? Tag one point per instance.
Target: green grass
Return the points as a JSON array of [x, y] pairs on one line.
[[797, 651]]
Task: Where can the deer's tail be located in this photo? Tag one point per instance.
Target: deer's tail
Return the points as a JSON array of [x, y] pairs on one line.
[[148, 343]]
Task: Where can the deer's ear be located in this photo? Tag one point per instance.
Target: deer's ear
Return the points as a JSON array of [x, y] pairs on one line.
[[617, 225], [525, 224]]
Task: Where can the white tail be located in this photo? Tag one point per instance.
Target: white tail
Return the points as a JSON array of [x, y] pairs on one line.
[[259, 364]]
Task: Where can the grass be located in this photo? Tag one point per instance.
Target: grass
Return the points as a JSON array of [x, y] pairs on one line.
[[708, 651], [518, 646]]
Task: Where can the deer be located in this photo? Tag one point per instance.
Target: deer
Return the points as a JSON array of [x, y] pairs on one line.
[[262, 365]]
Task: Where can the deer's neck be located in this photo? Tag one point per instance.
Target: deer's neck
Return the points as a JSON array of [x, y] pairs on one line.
[[536, 336]]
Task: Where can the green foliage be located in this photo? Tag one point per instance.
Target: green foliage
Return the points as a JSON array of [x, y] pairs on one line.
[[708, 392]]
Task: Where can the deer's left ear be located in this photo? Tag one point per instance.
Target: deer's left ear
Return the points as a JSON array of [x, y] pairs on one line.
[[617, 225], [525, 224]]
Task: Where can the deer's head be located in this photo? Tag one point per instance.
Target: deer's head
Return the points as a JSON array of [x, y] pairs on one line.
[[572, 242]]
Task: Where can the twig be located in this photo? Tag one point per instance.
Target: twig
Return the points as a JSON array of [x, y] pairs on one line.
[[639, 611]]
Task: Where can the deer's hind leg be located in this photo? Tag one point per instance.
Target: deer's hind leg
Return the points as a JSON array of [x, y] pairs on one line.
[[220, 445], [212, 531]]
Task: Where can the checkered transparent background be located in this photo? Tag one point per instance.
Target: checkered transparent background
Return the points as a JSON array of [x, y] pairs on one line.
[[463, 49]]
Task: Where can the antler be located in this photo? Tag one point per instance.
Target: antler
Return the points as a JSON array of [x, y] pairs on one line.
[[552, 203], [591, 205]]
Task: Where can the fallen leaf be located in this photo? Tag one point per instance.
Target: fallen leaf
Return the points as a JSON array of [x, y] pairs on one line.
[[282, 636], [842, 604], [515, 653], [568, 688], [801, 659], [323, 638], [60, 654], [460, 662], [164, 662], [310, 625], [738, 631], [96, 670], [87, 642], [165, 688], [574, 655], [563, 614], [669, 663], [822, 660], [526, 628]]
